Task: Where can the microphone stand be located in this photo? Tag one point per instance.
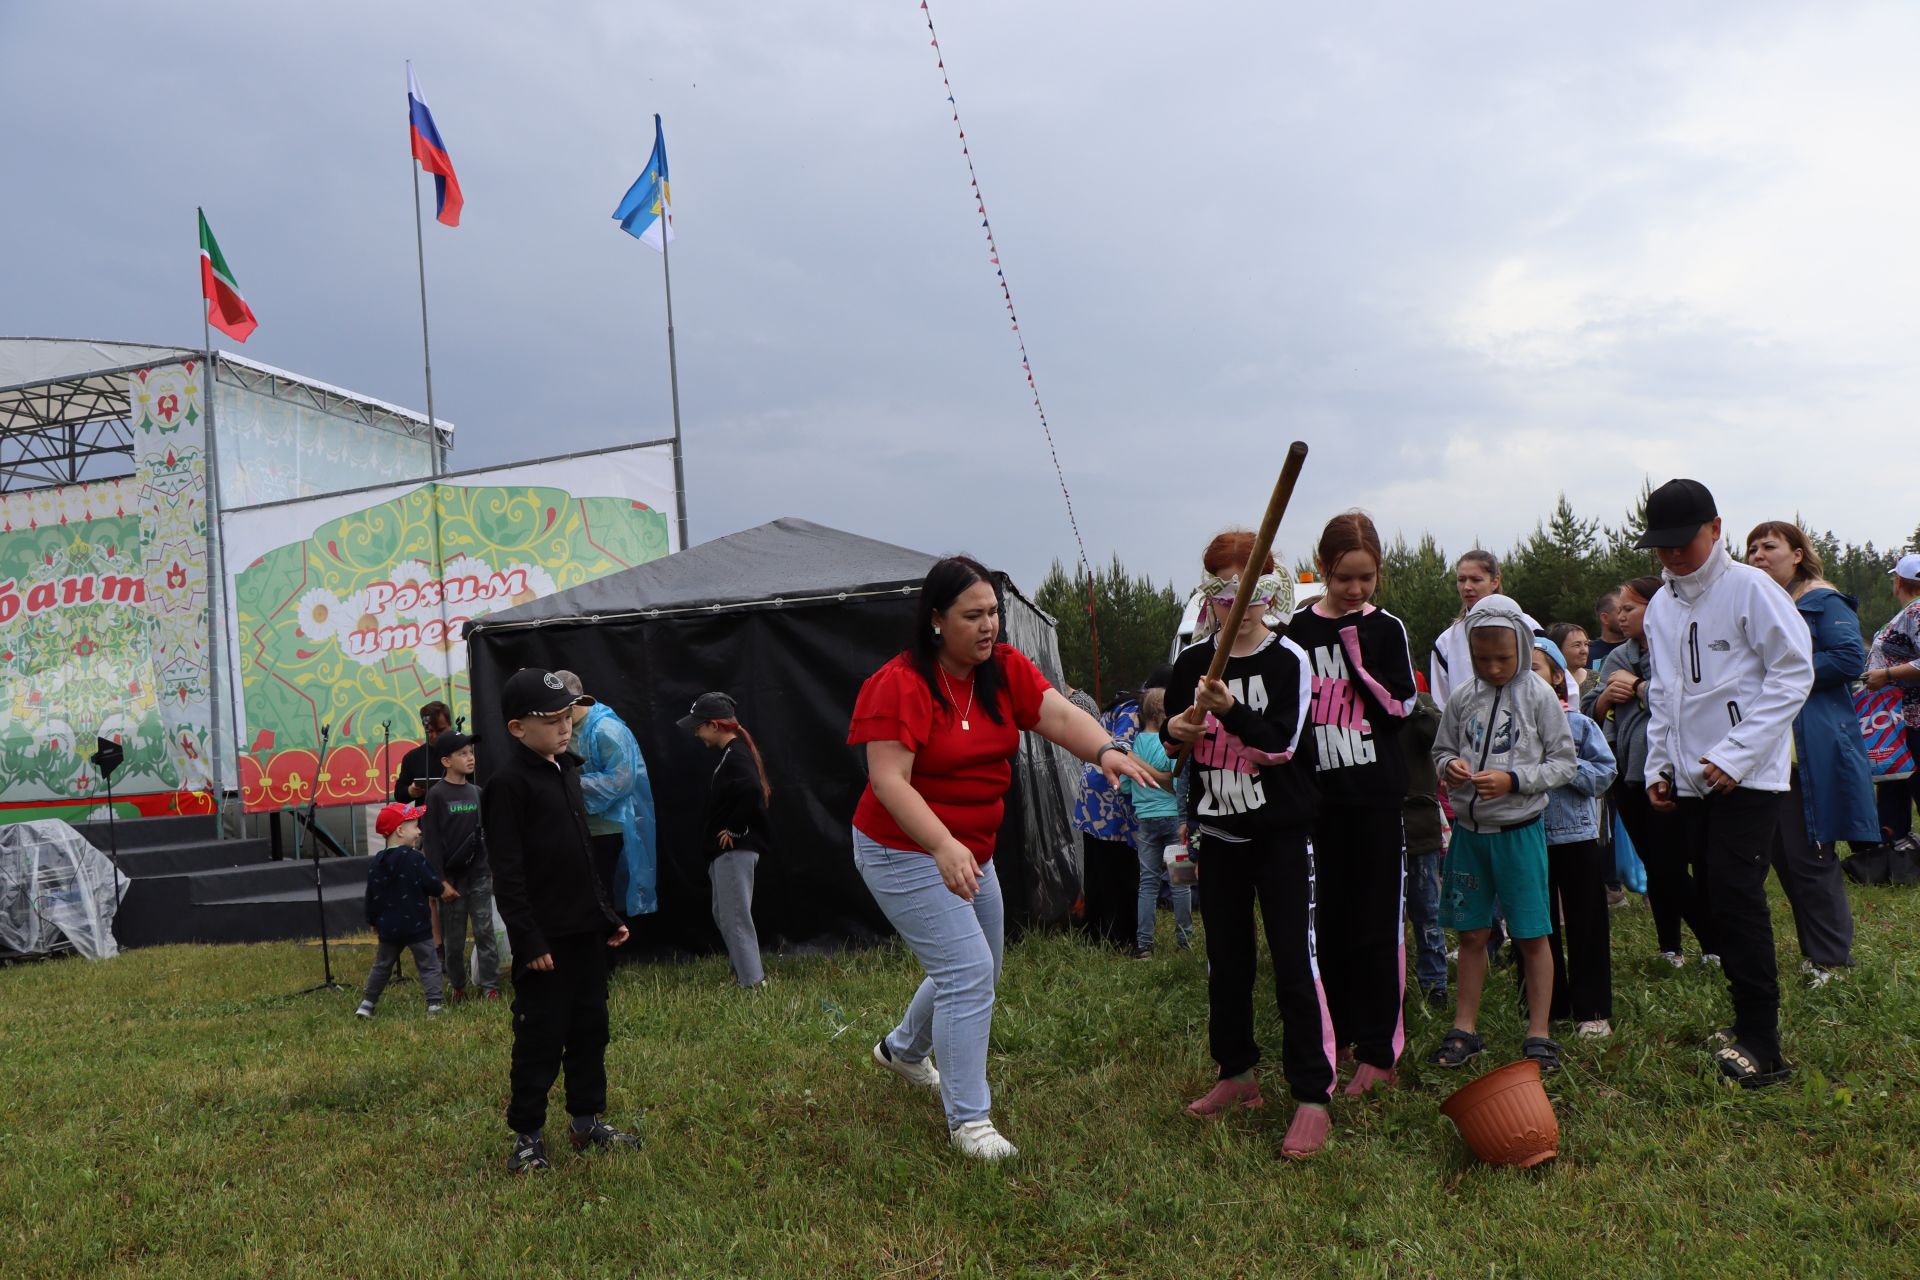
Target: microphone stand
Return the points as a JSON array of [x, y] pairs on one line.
[[107, 756], [320, 837]]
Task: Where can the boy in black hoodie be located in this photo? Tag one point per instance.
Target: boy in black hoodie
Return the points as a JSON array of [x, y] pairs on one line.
[[559, 921]]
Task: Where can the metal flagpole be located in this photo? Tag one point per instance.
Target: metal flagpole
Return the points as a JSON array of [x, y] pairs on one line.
[[673, 373], [215, 650], [426, 349], [206, 331]]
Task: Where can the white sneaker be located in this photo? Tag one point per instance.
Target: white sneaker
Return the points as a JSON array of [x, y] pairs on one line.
[[365, 1010], [979, 1139], [1674, 958], [1710, 960], [922, 1073], [1597, 1029], [1819, 976]]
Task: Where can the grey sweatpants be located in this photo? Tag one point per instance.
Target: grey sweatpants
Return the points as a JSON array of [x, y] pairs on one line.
[[425, 959], [732, 876], [1816, 888]]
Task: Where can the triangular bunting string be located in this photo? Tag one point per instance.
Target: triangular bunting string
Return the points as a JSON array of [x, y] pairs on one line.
[[1013, 320]]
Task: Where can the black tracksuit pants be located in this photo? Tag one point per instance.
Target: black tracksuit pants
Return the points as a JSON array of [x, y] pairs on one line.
[[1277, 871], [1359, 858], [1733, 835], [1582, 949], [1110, 883], [560, 1019], [1674, 892]]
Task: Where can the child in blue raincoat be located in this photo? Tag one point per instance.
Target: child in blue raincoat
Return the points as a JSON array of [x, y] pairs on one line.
[[619, 799]]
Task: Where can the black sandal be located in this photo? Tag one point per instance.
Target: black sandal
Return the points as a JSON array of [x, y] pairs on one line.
[[1738, 1065], [1544, 1051], [1457, 1048]]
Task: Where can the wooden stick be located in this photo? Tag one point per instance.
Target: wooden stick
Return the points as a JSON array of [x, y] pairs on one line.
[[1250, 575]]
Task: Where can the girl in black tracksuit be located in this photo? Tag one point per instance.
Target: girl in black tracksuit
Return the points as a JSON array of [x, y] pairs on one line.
[[1363, 692], [1252, 800]]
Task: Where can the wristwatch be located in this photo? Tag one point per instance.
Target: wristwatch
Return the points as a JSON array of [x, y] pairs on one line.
[[1115, 745]]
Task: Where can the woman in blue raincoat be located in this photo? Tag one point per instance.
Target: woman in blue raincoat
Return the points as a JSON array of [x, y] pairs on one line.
[[1832, 795], [619, 799]]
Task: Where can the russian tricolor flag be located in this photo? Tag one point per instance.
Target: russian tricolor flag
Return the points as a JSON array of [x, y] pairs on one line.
[[432, 154]]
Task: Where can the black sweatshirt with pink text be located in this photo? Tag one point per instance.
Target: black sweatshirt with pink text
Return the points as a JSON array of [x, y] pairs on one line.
[[1253, 768], [1363, 692]]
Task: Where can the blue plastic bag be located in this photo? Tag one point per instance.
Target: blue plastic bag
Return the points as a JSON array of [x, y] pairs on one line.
[[1627, 866]]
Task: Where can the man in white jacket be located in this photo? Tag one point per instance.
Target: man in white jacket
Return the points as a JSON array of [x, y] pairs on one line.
[[1732, 663]]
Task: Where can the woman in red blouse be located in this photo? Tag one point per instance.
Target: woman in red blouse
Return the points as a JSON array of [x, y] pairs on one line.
[[941, 723]]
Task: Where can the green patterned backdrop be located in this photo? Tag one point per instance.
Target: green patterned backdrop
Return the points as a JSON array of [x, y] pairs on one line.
[[361, 622], [75, 650]]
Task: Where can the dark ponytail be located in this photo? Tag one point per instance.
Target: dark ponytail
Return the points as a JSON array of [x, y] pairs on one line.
[[945, 583]]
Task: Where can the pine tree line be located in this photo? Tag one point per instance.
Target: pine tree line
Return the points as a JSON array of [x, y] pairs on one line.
[[1557, 573]]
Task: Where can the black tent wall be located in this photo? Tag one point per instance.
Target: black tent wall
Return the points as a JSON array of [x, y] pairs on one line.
[[795, 670]]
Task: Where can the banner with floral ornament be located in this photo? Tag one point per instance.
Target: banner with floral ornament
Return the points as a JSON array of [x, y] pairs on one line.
[[75, 646], [358, 619], [105, 629]]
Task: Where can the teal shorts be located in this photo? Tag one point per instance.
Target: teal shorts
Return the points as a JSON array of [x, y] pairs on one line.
[[1510, 866]]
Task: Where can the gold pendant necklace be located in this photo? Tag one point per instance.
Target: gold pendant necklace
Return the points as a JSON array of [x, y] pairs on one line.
[[965, 727]]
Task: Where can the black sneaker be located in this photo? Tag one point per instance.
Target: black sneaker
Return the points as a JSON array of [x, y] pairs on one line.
[[529, 1154], [602, 1135]]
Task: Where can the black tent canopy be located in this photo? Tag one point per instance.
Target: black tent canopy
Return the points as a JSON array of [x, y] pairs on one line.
[[789, 618]]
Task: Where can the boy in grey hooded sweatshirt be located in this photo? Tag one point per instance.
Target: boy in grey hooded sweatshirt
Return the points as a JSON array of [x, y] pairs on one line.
[[1503, 745]]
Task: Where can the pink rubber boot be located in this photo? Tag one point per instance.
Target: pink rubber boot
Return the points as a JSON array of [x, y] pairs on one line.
[[1226, 1094], [1307, 1134], [1365, 1076]]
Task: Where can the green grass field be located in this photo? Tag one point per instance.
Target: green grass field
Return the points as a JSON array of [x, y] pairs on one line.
[[175, 1112]]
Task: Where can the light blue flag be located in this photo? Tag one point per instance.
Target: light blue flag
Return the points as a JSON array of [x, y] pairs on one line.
[[646, 211]]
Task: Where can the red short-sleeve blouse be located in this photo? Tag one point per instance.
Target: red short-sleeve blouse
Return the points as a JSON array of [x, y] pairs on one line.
[[962, 774]]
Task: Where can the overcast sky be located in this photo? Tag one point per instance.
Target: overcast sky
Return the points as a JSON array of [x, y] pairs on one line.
[[1473, 254]]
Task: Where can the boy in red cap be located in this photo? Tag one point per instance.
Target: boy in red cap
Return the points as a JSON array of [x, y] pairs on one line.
[[559, 920], [399, 887]]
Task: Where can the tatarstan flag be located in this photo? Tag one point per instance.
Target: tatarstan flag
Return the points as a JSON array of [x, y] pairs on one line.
[[227, 311]]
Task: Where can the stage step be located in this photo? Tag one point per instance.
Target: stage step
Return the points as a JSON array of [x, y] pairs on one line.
[[259, 902], [147, 833], [178, 859]]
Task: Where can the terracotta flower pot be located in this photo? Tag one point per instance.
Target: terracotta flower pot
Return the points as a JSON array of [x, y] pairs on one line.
[[1505, 1116]]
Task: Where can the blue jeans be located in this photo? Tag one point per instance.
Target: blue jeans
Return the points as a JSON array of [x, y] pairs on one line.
[[1150, 840], [1423, 912], [959, 944]]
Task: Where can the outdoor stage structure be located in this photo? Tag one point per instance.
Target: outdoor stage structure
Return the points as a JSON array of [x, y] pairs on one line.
[[207, 559]]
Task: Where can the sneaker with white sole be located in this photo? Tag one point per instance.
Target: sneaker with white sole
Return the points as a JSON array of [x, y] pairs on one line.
[[365, 1010], [1674, 958], [1710, 961], [922, 1073], [979, 1139], [1594, 1029]]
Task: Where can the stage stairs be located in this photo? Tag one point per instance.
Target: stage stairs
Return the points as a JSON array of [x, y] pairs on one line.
[[187, 885]]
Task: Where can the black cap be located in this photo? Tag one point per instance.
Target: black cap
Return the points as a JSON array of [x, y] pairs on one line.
[[451, 741], [709, 706], [1675, 512], [532, 691]]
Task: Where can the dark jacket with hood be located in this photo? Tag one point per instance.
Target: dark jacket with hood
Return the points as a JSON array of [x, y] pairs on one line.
[[544, 883]]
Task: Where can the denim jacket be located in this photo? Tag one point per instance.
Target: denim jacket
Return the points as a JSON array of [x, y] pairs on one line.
[[1571, 814]]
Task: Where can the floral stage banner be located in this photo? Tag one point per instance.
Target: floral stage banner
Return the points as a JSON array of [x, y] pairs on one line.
[[104, 623], [350, 610], [74, 646]]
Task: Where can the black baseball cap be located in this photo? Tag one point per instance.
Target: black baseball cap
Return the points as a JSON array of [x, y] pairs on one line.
[[451, 741], [1675, 512], [534, 691], [709, 706]]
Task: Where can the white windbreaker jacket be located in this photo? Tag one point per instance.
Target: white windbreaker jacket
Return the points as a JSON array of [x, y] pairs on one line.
[[1732, 663]]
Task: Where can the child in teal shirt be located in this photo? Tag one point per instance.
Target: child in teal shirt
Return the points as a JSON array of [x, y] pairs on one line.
[[1160, 823]]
